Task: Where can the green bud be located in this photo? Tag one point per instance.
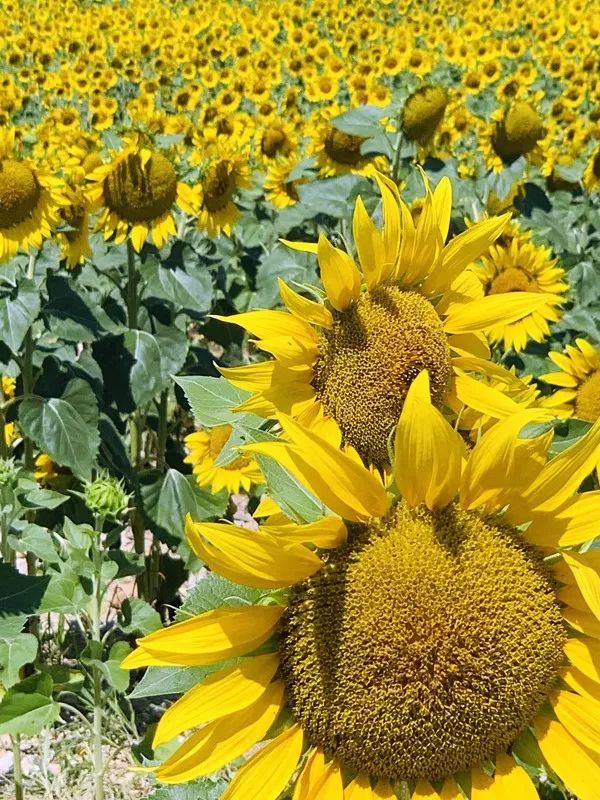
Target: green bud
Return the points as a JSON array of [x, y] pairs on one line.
[[106, 497], [9, 473]]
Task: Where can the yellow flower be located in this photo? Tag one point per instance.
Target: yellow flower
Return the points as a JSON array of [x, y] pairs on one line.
[[591, 176], [74, 243], [414, 306], [522, 266], [336, 152], [30, 199], [222, 179], [279, 189], [423, 112], [8, 387], [579, 381], [421, 636], [137, 192], [518, 132], [205, 448], [45, 469]]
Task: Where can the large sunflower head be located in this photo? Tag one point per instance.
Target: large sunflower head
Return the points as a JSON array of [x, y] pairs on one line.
[[427, 639], [423, 112], [408, 302], [280, 187], [578, 381], [518, 132], [517, 266], [337, 152], [137, 192], [222, 178], [205, 448], [30, 199]]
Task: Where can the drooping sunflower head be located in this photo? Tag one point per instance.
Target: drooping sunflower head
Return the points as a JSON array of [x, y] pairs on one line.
[[222, 179], [276, 139], [518, 132], [423, 112], [519, 265], [137, 192], [337, 152], [74, 239], [280, 187], [240, 471], [418, 636], [412, 304], [30, 199]]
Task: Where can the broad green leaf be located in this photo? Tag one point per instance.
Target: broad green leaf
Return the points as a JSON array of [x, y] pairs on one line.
[[12, 625], [27, 707], [294, 500], [58, 428], [172, 496], [158, 681], [189, 289], [75, 315], [42, 498], [145, 375], [361, 121], [21, 594], [203, 789], [138, 616], [18, 313], [212, 401], [14, 654], [117, 678], [212, 591], [37, 540]]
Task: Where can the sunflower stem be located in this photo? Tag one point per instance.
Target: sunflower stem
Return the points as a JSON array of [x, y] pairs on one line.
[[132, 296], [96, 613], [161, 442], [397, 160], [17, 768]]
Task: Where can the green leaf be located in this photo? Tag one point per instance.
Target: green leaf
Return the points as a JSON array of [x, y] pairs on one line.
[[37, 540], [203, 789], [21, 594], [64, 593], [111, 668], [57, 427], [212, 401], [171, 497], [43, 498], [27, 707], [145, 377], [159, 681], [12, 626], [79, 317], [173, 344], [14, 654], [18, 313], [138, 616], [281, 262], [293, 498], [213, 591], [361, 121], [189, 289], [333, 196]]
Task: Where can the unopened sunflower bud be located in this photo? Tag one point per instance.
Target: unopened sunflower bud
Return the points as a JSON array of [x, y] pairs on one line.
[[106, 497]]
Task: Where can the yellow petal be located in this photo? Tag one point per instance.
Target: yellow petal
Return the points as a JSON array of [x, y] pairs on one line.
[[359, 789], [138, 236], [266, 561], [326, 532], [221, 693], [424, 791], [495, 309], [221, 741], [442, 205], [211, 637], [450, 791], [267, 324], [573, 765], [580, 716], [481, 784], [392, 227], [263, 374], [581, 621], [369, 244], [576, 522], [302, 247], [328, 786], [345, 486], [340, 276], [585, 569], [561, 477], [469, 344], [584, 654], [289, 398], [576, 680], [384, 791], [492, 462], [465, 248], [304, 309], [511, 781], [267, 773], [309, 774], [486, 399], [428, 451]]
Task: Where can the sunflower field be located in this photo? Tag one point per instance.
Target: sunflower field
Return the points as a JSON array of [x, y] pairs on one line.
[[300, 400]]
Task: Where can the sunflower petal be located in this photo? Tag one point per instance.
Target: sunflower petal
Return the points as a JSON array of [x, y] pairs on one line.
[[511, 781], [260, 556], [369, 244], [579, 716], [359, 789], [424, 791], [309, 774], [304, 309], [573, 765], [210, 637], [384, 791], [450, 791], [584, 654], [267, 773], [485, 399], [442, 205], [219, 742], [325, 532], [340, 275], [268, 324], [494, 309], [224, 692], [428, 452], [585, 569]]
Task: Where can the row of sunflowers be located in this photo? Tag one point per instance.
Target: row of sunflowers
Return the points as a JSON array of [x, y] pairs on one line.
[[300, 400]]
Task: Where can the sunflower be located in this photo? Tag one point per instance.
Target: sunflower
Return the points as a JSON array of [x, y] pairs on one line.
[[279, 188], [45, 469], [522, 266], [8, 386], [74, 242], [415, 306], [423, 112], [222, 178], [276, 139], [30, 199], [579, 381], [436, 636], [205, 448], [591, 176], [137, 192], [336, 152]]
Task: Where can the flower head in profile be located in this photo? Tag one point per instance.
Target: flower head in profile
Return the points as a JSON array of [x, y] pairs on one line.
[[431, 634], [577, 382], [136, 193], [206, 447], [409, 302]]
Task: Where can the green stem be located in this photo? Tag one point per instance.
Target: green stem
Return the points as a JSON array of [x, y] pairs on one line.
[[161, 443], [97, 754], [396, 162], [132, 296], [17, 769]]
